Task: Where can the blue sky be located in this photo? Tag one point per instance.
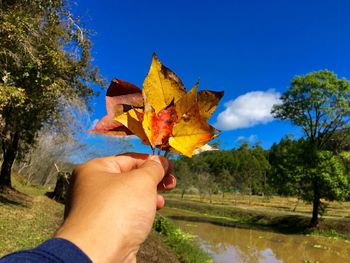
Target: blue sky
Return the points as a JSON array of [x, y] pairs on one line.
[[249, 49]]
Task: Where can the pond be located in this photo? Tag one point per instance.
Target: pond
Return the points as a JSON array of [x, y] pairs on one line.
[[233, 244]]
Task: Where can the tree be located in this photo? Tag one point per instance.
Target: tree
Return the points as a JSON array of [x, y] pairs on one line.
[[339, 141], [287, 167], [319, 103], [253, 166], [225, 180], [45, 64], [184, 175]]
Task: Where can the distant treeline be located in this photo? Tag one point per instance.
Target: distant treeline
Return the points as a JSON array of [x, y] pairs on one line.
[[281, 170]]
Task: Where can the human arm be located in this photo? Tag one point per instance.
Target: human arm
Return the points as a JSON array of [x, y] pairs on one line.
[[112, 204]]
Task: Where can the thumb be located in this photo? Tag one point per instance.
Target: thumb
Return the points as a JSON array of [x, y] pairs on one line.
[[155, 167]]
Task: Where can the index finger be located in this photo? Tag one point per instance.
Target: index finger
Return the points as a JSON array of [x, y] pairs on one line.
[[129, 161]]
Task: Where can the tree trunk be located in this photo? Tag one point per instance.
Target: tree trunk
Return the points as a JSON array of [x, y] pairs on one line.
[[9, 149], [297, 203], [250, 193], [315, 206], [60, 192], [183, 193]]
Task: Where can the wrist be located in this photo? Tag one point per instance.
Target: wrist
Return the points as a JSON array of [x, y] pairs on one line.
[[99, 250]]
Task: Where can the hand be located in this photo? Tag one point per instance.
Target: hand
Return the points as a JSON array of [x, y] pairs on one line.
[[112, 204]]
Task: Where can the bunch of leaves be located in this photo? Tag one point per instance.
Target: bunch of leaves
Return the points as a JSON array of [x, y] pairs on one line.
[[163, 115]]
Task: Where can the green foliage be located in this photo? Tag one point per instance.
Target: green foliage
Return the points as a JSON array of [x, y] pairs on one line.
[[345, 156], [330, 174], [243, 169], [185, 177], [286, 175], [339, 141], [291, 175], [319, 103], [45, 65], [45, 61], [181, 243], [13, 95]]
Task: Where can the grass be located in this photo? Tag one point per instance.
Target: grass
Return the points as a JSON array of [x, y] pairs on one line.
[[273, 203], [267, 219], [27, 218], [181, 243]]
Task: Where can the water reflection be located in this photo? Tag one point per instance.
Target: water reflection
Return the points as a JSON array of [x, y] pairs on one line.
[[235, 244]]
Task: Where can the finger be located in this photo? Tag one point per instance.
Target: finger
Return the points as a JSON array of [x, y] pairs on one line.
[[154, 167], [171, 167], [168, 183], [117, 163], [160, 202], [130, 161]]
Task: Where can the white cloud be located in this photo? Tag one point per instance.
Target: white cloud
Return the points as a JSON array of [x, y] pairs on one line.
[[93, 124], [248, 110], [240, 138], [250, 139]]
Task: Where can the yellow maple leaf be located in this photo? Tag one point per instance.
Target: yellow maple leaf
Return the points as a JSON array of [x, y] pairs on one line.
[[161, 86]]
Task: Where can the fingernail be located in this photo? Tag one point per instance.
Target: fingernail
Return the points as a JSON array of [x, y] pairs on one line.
[[161, 160], [156, 159]]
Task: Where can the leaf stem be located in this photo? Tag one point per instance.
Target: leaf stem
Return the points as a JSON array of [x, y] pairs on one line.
[[166, 153]]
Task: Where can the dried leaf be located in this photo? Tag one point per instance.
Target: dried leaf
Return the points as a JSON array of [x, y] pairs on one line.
[[161, 86], [133, 121], [158, 126], [107, 125], [120, 97], [166, 117], [192, 133], [208, 101], [204, 148]]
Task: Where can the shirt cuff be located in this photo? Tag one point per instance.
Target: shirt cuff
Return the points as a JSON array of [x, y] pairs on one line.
[[63, 250], [54, 250]]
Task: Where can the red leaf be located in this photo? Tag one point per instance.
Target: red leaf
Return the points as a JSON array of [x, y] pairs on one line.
[[120, 97], [162, 126], [109, 126]]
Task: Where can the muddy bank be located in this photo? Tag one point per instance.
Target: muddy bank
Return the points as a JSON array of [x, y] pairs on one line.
[[276, 220]]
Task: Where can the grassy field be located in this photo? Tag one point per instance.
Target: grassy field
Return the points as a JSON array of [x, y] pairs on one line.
[[273, 203], [27, 219], [259, 216]]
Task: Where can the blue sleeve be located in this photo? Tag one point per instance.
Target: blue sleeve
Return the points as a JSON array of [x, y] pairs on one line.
[[55, 250]]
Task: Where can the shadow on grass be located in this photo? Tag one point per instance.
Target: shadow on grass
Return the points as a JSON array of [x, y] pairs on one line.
[[10, 196], [7, 201]]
